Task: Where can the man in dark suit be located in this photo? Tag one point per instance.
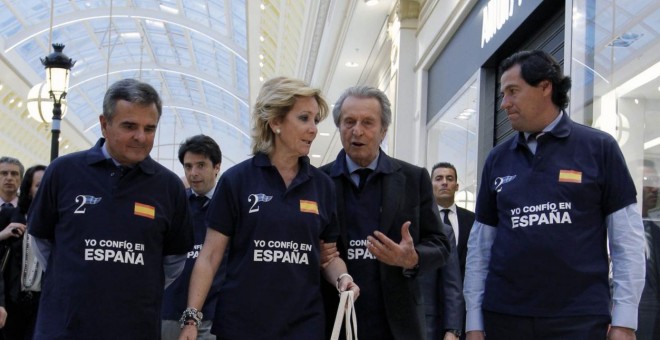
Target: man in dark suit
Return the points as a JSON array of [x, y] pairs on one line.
[[445, 186], [201, 158], [11, 174], [449, 307], [390, 229]]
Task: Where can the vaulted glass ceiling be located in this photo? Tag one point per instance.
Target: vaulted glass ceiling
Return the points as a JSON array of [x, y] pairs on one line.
[[193, 52]]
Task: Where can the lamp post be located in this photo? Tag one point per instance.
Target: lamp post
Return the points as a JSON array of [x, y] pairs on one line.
[[57, 66]]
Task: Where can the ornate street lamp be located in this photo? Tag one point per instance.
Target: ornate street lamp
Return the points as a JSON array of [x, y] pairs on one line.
[[40, 104], [57, 66]]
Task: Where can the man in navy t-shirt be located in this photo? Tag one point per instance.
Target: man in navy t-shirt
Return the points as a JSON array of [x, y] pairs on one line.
[[111, 226], [200, 156], [550, 199]]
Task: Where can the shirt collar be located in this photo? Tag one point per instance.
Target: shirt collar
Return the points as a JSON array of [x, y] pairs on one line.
[[560, 127], [452, 208], [549, 127], [98, 153], [208, 195], [14, 202], [352, 166]]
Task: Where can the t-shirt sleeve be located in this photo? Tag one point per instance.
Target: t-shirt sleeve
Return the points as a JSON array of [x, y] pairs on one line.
[[179, 238], [43, 213], [222, 213], [618, 186], [330, 231], [486, 207]]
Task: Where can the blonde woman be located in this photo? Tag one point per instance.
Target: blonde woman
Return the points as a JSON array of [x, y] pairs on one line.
[[271, 211]]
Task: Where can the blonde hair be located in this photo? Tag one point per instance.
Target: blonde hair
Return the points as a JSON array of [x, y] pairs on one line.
[[276, 98]]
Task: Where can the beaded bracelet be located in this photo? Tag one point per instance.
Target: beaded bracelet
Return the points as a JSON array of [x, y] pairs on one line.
[[191, 316]]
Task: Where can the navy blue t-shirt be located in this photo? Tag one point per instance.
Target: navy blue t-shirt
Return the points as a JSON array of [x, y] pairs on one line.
[[109, 234], [549, 257], [364, 207], [175, 299], [272, 287]]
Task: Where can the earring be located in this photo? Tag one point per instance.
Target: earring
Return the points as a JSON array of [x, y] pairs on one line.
[[277, 131]]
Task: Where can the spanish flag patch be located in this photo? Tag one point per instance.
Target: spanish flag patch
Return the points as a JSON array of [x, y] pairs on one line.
[[144, 210], [309, 207], [570, 176]]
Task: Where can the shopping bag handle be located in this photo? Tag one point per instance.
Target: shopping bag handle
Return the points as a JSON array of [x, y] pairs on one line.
[[345, 313]]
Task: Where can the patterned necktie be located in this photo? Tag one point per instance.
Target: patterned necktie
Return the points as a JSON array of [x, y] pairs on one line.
[[7, 205], [445, 218], [363, 173]]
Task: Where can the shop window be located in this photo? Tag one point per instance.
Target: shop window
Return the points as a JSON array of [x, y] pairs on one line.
[[615, 68], [453, 136]]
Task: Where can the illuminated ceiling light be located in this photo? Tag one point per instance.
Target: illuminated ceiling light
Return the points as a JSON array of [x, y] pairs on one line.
[[316, 156], [371, 2], [130, 35], [261, 56], [261, 64], [351, 64], [466, 114], [636, 101], [261, 79], [324, 134], [155, 23], [20, 104], [169, 9], [261, 38], [11, 101], [263, 7], [3, 86], [652, 143]]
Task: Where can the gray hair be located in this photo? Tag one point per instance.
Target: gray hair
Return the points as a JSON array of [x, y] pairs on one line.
[[133, 91], [365, 92], [15, 161]]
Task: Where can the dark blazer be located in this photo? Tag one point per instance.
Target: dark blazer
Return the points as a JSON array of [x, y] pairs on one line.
[[13, 245], [465, 222], [407, 196], [443, 294]]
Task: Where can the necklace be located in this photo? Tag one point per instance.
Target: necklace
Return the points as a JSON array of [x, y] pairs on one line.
[[29, 280]]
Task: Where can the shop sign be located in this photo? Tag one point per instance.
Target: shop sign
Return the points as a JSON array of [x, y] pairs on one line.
[[495, 13]]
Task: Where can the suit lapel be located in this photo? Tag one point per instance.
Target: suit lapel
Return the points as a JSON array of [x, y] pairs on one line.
[[341, 210], [393, 188]]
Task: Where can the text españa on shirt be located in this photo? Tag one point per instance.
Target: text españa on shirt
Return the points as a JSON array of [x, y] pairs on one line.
[[114, 251], [357, 250], [541, 214], [193, 254], [281, 251]]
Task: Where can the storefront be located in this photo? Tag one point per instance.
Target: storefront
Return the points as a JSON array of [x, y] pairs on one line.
[[464, 121]]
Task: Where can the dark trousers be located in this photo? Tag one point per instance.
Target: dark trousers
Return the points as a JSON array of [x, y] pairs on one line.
[[21, 317], [513, 327]]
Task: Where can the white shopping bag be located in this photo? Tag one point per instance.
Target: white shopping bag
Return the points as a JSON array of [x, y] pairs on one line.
[[346, 313]]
